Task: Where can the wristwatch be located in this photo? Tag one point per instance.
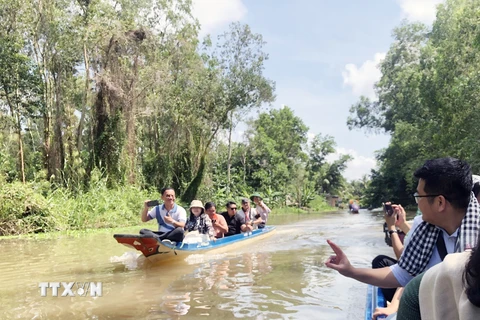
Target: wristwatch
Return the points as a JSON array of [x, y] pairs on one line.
[[392, 231]]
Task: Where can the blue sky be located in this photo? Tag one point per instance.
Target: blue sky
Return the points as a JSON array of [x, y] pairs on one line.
[[323, 56]]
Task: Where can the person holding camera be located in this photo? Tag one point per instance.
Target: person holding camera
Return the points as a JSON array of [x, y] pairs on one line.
[[394, 218], [449, 223], [250, 215], [170, 217], [262, 210]]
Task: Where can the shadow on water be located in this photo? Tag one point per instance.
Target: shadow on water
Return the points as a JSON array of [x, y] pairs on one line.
[[280, 277]]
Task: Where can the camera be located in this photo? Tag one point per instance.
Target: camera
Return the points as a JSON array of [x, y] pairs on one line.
[[153, 203], [387, 207]]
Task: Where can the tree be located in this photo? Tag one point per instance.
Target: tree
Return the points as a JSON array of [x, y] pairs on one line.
[[238, 61], [277, 139], [427, 99], [20, 85]]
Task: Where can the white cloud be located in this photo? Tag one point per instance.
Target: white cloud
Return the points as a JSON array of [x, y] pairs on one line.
[[362, 79], [357, 167], [419, 10], [215, 14]]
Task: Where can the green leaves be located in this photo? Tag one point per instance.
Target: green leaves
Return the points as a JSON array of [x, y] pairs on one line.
[[427, 99]]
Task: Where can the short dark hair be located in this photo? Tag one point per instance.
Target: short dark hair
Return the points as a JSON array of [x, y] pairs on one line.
[[165, 189], [449, 177], [229, 204], [209, 205]]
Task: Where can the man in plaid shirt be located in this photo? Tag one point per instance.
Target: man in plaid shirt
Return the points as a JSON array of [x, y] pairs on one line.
[[449, 223]]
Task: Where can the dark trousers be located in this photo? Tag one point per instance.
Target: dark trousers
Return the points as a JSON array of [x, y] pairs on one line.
[[176, 235], [382, 261]]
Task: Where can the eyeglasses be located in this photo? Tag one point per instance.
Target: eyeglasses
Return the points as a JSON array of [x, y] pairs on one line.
[[417, 196], [233, 208]]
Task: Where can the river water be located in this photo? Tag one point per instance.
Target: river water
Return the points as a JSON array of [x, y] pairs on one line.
[[280, 277]]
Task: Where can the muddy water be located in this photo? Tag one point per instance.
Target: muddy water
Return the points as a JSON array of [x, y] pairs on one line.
[[280, 277]]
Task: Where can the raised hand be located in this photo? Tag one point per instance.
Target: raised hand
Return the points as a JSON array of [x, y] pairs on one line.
[[168, 219], [339, 261], [402, 220], [400, 212], [391, 220]]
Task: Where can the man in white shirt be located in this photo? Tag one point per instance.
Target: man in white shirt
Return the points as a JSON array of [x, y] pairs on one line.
[[171, 217], [252, 218], [261, 209], [450, 212]]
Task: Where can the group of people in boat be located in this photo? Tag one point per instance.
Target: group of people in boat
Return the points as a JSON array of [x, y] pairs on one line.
[[174, 222], [437, 271]]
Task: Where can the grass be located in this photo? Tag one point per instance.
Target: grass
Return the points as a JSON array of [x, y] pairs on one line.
[[24, 209]]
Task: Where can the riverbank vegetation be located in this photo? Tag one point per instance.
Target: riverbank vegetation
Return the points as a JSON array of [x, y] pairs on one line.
[[103, 103], [427, 100]]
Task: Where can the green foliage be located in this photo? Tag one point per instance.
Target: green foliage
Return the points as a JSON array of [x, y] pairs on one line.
[[276, 139], [99, 105], [100, 207], [427, 99], [22, 210], [319, 204], [272, 160]]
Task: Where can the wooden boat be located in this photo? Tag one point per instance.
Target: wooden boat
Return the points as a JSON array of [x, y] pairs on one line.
[[375, 300], [156, 250]]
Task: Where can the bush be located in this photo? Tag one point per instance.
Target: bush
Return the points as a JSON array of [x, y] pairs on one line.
[[99, 207], [22, 210], [319, 204]]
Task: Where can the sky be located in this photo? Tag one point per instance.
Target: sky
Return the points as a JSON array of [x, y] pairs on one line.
[[323, 55]]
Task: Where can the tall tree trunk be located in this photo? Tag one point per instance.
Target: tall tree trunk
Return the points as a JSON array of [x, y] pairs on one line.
[[229, 162], [59, 155], [131, 145], [244, 162], [40, 59], [20, 148], [192, 189], [18, 129], [85, 98], [46, 144], [130, 122]]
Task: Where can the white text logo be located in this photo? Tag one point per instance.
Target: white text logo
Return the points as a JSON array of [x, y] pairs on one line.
[[71, 289]]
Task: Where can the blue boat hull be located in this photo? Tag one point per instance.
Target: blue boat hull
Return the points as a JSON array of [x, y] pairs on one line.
[[375, 300], [155, 250]]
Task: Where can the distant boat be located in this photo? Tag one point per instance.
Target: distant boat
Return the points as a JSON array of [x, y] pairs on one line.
[[156, 250], [354, 207]]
